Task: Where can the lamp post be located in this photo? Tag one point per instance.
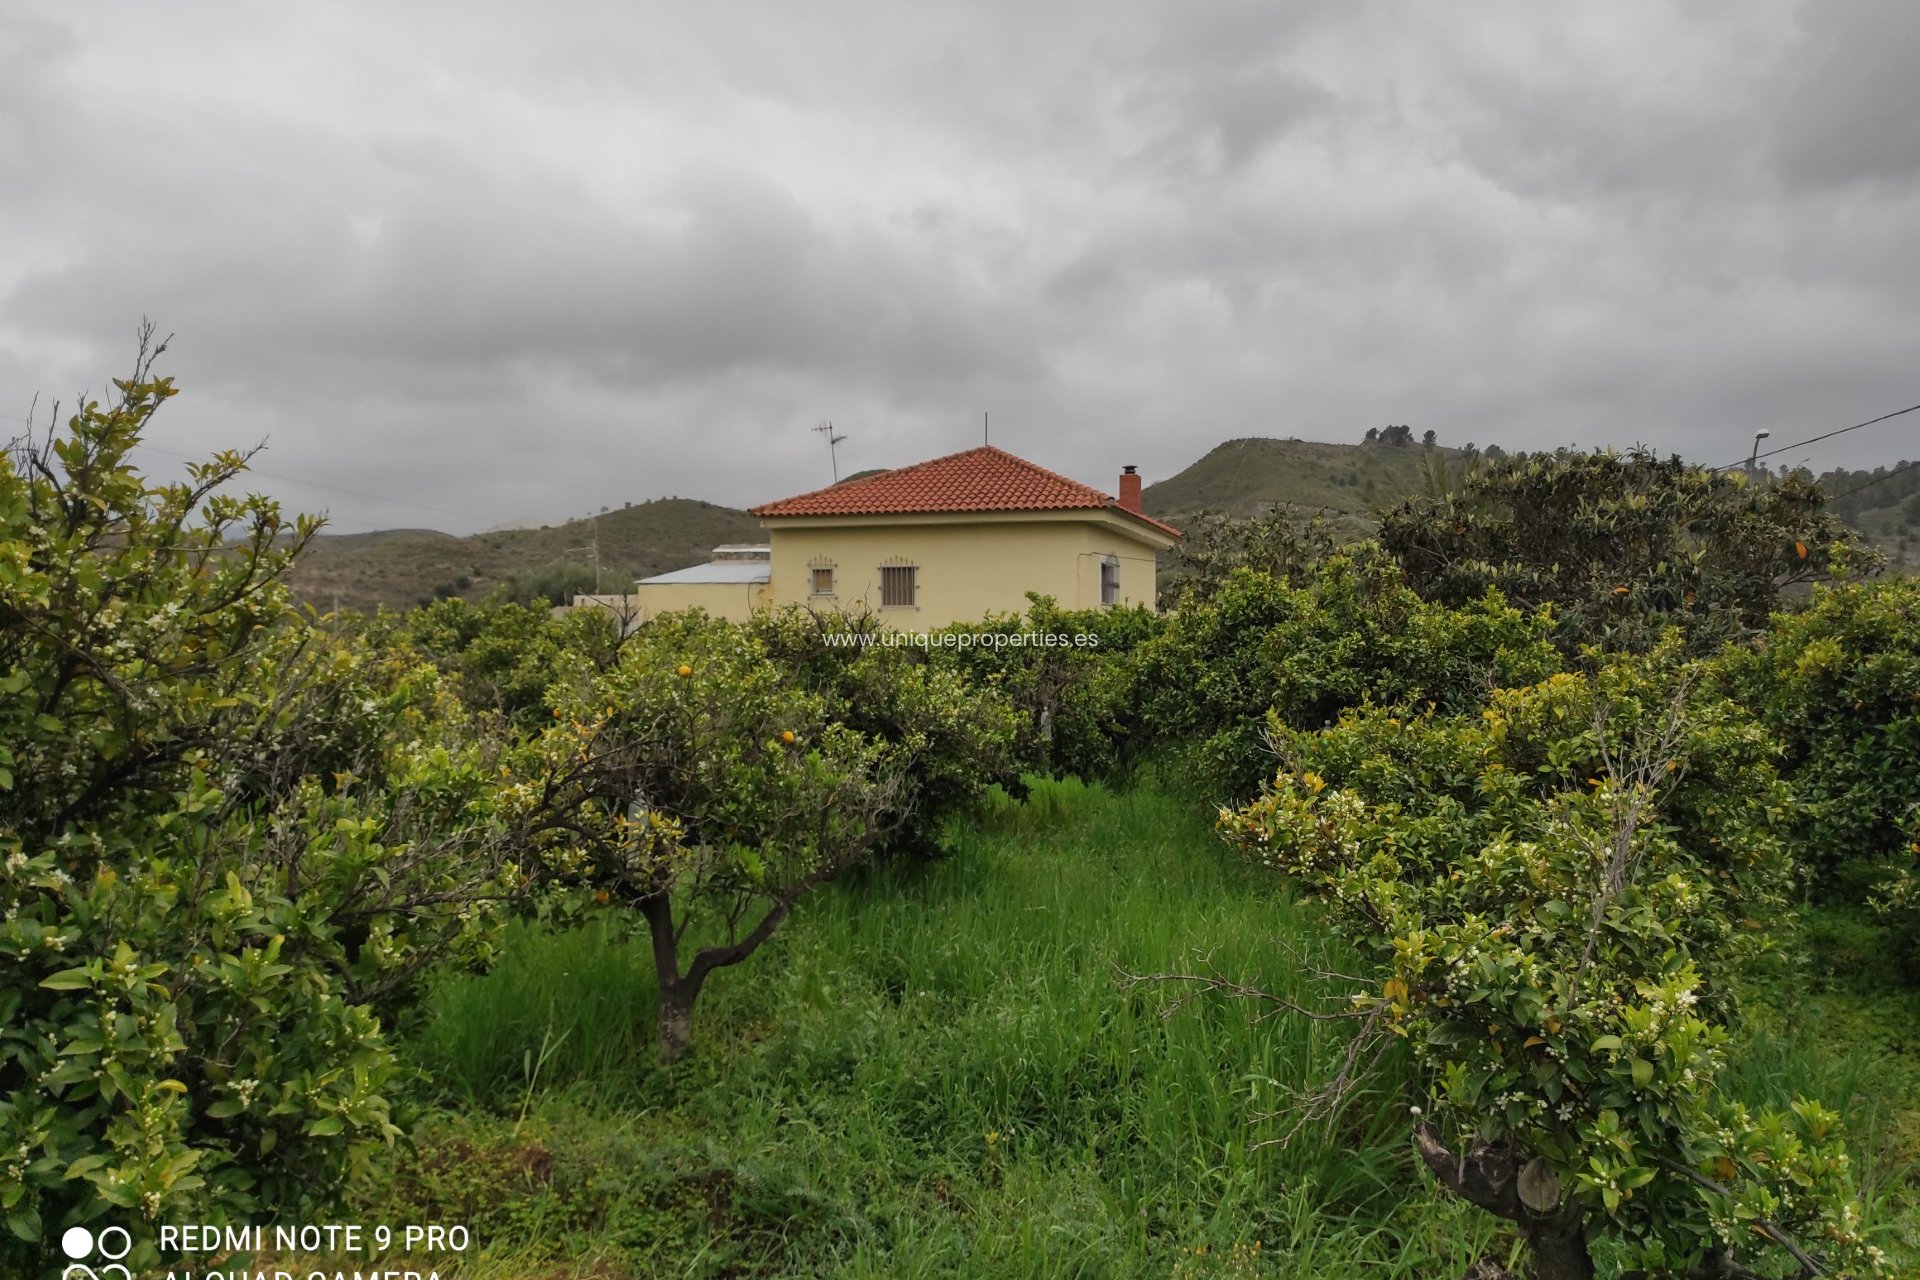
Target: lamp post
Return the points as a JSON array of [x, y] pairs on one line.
[[1754, 457]]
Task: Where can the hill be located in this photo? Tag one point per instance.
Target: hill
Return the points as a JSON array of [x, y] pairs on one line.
[[1248, 476], [401, 567], [1351, 482]]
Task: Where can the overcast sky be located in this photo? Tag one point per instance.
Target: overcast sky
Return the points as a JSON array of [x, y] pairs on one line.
[[508, 260]]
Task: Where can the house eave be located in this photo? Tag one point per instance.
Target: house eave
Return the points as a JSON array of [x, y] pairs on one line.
[[1112, 517]]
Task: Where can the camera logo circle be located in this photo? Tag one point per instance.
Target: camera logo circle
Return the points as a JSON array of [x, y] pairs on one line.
[[78, 1243]]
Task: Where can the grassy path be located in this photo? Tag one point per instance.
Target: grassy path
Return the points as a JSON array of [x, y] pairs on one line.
[[933, 1071]]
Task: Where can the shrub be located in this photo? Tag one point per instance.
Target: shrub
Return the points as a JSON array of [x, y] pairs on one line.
[[1074, 694], [1558, 898], [1350, 633], [1839, 684], [945, 738], [229, 845]]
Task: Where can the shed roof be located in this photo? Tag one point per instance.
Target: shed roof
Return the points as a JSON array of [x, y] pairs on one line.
[[715, 571]]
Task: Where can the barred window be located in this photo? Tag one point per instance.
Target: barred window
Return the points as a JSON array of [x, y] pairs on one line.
[[897, 585], [823, 581]]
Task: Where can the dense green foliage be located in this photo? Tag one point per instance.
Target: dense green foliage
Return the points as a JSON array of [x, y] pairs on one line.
[[1348, 634], [691, 775], [1212, 547], [545, 585], [1838, 683], [719, 772], [1562, 894], [504, 656], [944, 738], [1069, 673], [1622, 546], [231, 844]]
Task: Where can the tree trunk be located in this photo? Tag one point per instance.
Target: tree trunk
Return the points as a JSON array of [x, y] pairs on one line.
[[677, 994], [1524, 1193], [1557, 1249], [676, 1021], [678, 991]]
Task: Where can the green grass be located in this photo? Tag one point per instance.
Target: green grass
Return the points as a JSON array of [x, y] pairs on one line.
[[1846, 1030], [934, 1070]]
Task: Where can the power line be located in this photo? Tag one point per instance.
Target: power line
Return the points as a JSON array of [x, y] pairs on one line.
[[1785, 448]]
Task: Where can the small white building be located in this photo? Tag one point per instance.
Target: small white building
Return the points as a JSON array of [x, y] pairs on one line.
[[735, 582], [731, 585]]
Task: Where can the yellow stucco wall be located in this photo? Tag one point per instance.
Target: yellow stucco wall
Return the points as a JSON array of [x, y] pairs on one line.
[[967, 566], [734, 601]]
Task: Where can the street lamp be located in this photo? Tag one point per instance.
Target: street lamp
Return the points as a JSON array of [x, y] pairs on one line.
[[1754, 457]]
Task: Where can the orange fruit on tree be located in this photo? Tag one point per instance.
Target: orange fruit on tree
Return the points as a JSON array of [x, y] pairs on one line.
[[683, 671]]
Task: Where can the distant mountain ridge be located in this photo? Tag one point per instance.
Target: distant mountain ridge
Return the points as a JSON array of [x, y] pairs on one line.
[[401, 567]]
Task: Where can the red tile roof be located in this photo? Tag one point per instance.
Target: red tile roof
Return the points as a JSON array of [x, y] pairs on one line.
[[982, 479]]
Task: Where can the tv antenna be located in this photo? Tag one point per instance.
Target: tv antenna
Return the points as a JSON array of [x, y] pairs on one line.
[[826, 429]]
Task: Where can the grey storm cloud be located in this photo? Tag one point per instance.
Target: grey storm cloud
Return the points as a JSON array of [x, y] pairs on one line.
[[508, 260]]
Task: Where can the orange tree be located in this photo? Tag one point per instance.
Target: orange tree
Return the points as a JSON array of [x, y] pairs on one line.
[[1068, 672], [1345, 633], [694, 782], [945, 737], [230, 844], [501, 655], [1622, 546], [1558, 897]]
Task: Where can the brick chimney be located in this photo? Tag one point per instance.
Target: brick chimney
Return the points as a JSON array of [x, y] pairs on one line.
[[1130, 489]]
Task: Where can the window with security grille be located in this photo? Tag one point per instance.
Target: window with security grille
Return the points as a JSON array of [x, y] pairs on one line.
[[823, 582], [1109, 582], [897, 585]]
